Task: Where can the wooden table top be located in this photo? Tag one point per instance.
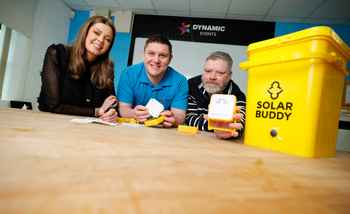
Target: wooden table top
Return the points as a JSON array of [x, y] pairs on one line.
[[51, 165]]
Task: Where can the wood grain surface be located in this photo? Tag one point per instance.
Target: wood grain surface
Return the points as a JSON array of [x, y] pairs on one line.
[[51, 165]]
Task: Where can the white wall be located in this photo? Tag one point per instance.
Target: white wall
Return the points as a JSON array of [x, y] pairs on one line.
[[343, 140], [18, 15], [123, 22], [48, 22], [16, 67], [2, 37], [51, 25]]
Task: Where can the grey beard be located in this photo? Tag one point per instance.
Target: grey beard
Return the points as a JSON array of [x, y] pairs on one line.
[[212, 89]]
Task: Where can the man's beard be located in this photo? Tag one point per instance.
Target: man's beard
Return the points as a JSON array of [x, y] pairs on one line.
[[212, 88]]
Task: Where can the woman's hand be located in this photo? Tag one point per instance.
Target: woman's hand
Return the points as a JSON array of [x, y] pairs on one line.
[[107, 112], [109, 116]]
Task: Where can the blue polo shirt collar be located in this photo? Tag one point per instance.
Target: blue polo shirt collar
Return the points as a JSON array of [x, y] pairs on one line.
[[165, 82]]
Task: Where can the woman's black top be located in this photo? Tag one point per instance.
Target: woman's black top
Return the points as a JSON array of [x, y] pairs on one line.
[[61, 93]]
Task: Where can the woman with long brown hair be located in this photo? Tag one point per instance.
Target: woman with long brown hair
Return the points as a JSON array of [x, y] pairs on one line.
[[78, 79]]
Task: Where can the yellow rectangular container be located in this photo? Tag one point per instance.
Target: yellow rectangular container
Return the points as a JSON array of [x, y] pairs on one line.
[[295, 85]]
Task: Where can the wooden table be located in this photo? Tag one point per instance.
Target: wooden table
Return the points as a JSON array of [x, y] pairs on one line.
[[51, 165]]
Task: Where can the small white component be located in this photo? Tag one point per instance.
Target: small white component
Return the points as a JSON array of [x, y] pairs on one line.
[[154, 107], [222, 107]]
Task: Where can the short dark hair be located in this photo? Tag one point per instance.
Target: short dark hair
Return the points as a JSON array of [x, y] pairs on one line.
[[157, 38]]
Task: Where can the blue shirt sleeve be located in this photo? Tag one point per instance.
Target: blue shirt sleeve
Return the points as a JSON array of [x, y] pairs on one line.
[[180, 99], [125, 92]]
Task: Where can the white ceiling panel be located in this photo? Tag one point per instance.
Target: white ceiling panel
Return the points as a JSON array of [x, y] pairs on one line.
[[322, 11], [321, 21], [102, 3], [178, 5], [78, 4], [211, 6], [80, 7], [295, 8], [244, 17], [283, 19], [250, 7], [135, 4], [173, 13], [146, 12], [333, 9], [75, 2], [200, 14]]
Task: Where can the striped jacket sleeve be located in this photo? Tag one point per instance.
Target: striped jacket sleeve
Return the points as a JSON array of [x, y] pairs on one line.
[[195, 115], [241, 103]]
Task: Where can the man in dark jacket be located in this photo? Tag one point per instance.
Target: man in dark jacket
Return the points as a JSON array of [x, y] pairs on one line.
[[215, 79]]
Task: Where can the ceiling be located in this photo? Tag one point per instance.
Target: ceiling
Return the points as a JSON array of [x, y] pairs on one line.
[[305, 11]]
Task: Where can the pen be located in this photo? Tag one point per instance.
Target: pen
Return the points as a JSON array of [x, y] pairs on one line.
[[114, 105]]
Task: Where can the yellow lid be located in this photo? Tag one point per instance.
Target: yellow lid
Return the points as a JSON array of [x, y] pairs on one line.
[[323, 32]]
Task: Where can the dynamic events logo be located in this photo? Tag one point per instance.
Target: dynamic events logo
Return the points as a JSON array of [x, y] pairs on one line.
[[184, 28]]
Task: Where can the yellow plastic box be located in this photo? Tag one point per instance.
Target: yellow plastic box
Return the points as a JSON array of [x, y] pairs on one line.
[[295, 85]]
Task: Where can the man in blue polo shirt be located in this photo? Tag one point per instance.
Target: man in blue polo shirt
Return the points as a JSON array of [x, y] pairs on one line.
[[153, 78]]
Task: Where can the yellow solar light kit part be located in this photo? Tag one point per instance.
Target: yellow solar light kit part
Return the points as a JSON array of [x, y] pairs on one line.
[[222, 108], [126, 120], [154, 121], [187, 129], [294, 92]]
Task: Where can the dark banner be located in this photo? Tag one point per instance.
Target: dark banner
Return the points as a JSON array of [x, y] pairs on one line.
[[220, 31]]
